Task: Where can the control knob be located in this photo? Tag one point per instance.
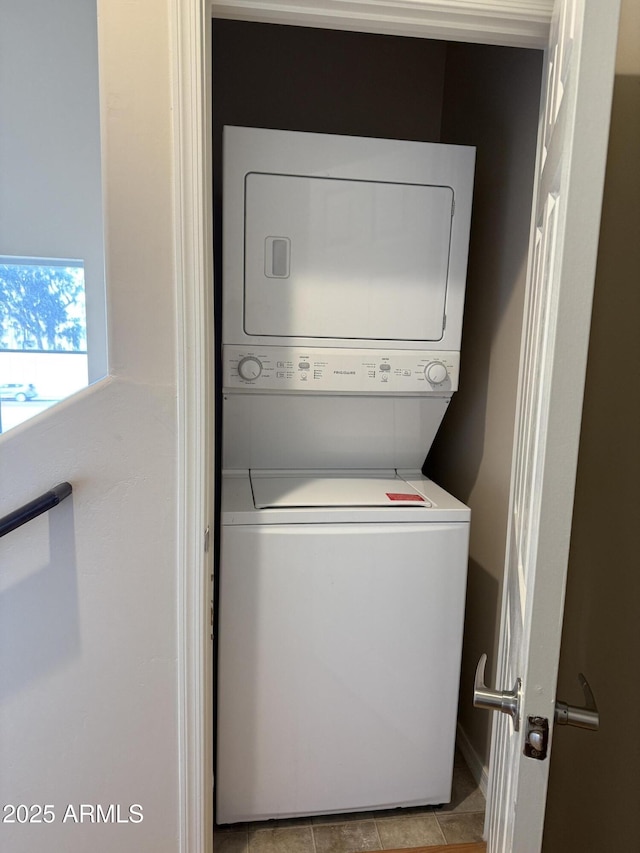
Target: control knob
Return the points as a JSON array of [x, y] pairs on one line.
[[249, 368], [436, 372]]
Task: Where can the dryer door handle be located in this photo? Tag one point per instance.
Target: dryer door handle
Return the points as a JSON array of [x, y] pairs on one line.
[[277, 257]]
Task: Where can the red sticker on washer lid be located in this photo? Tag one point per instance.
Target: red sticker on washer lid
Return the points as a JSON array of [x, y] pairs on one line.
[[400, 496]]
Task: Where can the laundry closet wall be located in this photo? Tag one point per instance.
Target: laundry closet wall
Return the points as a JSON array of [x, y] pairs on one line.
[[294, 78]]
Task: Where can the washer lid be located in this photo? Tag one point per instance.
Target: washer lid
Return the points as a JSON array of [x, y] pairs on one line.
[[282, 491]]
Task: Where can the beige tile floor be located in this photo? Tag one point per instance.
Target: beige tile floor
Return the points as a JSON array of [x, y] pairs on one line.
[[455, 823]]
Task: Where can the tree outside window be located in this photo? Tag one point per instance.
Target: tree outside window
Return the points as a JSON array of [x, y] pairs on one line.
[[42, 306]]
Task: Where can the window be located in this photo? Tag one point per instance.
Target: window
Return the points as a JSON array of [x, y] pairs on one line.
[[43, 335], [53, 317]]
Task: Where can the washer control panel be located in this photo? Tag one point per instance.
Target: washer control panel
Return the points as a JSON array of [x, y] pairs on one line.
[[354, 371]]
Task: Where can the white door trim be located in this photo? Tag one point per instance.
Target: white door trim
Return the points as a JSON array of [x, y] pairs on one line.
[[516, 23], [193, 247]]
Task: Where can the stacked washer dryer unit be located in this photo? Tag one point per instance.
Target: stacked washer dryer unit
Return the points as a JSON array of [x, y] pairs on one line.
[[342, 569]]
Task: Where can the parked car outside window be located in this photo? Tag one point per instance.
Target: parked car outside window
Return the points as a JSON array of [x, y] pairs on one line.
[[17, 391]]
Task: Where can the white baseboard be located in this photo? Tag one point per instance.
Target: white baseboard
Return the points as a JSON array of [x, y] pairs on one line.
[[479, 770]]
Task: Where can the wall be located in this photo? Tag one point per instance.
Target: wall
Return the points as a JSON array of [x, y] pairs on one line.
[[51, 193], [327, 81], [88, 635], [594, 785], [491, 100]]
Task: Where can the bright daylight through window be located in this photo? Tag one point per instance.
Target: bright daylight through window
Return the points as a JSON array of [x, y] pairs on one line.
[[43, 335]]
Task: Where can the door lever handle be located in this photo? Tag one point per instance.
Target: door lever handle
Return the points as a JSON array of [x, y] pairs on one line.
[[507, 701], [586, 717]]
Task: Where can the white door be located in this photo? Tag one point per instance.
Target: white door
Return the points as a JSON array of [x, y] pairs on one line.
[[566, 215]]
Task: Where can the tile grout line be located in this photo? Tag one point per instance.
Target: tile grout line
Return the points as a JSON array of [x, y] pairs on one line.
[[378, 834], [444, 838], [458, 814]]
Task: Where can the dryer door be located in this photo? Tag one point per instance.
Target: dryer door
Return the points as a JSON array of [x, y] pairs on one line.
[[335, 258]]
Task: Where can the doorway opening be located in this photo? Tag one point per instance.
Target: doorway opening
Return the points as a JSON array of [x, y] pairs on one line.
[[293, 78]]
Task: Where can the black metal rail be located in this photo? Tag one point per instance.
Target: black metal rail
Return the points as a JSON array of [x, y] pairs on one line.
[[35, 508]]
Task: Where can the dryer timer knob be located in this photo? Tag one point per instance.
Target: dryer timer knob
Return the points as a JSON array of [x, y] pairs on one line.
[[436, 372], [249, 368]]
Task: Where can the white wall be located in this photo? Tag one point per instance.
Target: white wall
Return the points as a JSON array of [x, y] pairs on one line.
[[88, 634], [50, 192]]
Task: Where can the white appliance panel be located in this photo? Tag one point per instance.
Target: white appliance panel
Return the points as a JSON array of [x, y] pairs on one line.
[[333, 258], [239, 502], [315, 490], [338, 670], [328, 431], [339, 370]]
